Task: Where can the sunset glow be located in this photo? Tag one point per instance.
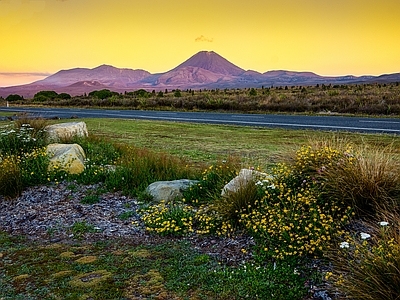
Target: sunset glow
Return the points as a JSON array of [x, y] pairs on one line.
[[340, 37]]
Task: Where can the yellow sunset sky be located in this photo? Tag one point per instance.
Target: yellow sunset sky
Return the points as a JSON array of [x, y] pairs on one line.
[[328, 37]]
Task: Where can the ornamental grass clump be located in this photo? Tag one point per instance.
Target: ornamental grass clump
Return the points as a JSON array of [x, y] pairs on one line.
[[230, 205], [366, 265], [369, 183], [137, 168]]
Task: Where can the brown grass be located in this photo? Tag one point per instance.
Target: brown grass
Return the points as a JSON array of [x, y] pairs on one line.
[[370, 182], [370, 269]]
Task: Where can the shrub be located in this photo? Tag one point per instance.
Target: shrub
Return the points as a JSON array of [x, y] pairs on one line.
[[10, 176], [14, 97], [173, 218], [45, 95], [292, 219]]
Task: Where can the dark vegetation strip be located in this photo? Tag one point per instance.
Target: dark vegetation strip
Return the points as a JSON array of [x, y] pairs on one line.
[[363, 99]]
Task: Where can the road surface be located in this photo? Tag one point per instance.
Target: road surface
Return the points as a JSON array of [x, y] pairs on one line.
[[329, 123]]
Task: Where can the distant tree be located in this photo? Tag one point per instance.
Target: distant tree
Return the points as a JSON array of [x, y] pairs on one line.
[[142, 93], [160, 94], [102, 94], [253, 92], [64, 96], [177, 93], [14, 97], [47, 94], [40, 98]]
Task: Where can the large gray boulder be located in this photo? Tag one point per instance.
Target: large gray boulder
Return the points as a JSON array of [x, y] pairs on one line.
[[66, 157], [60, 131], [242, 179], [169, 190]]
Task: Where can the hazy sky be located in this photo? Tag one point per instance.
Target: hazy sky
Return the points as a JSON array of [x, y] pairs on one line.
[[328, 37]]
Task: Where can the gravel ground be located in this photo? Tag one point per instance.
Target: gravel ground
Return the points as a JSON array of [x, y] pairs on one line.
[[46, 214]]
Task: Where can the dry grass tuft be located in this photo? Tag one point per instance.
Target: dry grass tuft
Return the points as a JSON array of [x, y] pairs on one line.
[[369, 269], [370, 182]]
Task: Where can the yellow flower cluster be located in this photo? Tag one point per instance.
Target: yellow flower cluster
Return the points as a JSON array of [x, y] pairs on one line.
[[292, 220], [168, 218], [317, 159]]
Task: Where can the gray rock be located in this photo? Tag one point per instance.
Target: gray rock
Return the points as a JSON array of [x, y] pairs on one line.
[[66, 130], [67, 157], [169, 190], [243, 178]]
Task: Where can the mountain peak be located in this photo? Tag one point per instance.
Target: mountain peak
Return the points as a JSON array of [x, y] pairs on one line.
[[211, 61]]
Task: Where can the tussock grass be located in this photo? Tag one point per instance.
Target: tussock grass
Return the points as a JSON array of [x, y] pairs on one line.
[[370, 181], [370, 268]]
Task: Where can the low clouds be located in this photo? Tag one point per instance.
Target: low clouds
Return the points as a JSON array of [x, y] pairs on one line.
[[203, 38], [15, 74]]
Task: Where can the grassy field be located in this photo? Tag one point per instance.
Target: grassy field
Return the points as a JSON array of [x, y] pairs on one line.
[[169, 267], [209, 143]]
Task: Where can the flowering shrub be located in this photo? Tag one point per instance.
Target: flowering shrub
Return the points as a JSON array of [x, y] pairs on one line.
[[316, 160], [171, 218], [292, 219], [16, 141], [10, 176]]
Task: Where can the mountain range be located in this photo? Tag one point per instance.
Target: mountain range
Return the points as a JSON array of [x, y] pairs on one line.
[[204, 70]]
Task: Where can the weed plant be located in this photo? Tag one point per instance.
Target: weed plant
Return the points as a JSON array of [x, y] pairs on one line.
[[23, 161], [10, 176], [17, 140]]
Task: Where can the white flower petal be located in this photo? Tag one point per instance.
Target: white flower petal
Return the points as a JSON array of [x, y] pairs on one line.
[[365, 236]]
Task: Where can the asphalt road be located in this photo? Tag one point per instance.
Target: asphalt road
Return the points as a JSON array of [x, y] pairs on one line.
[[328, 123]]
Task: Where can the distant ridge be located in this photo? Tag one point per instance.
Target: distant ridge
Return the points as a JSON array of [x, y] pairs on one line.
[[205, 69]]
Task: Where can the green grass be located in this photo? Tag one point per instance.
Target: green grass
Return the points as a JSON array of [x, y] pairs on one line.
[[210, 143], [171, 268]]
